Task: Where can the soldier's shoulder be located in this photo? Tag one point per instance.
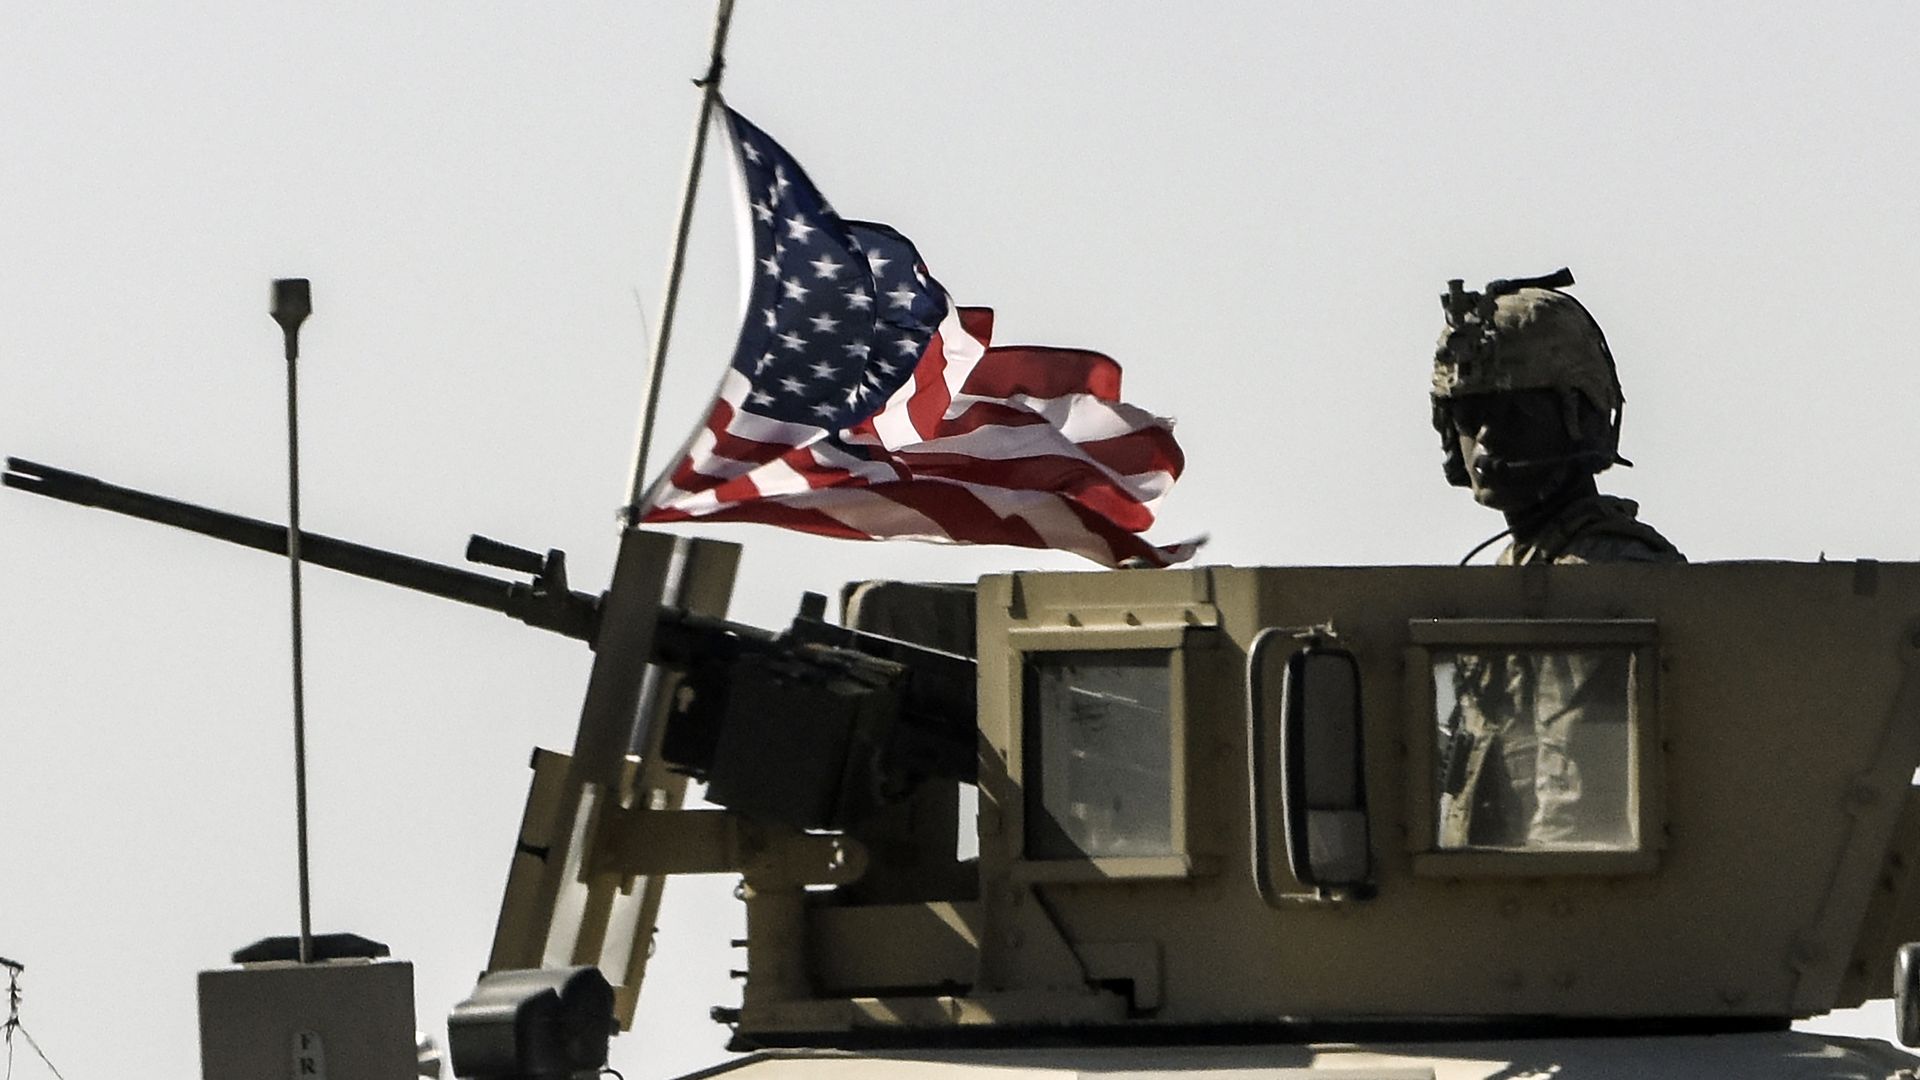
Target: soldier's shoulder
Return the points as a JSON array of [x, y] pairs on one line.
[[1596, 530], [1609, 529], [1651, 547]]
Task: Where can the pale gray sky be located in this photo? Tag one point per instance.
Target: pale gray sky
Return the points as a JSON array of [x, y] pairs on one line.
[[1251, 206]]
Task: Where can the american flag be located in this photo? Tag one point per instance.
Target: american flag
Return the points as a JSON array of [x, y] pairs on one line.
[[862, 403]]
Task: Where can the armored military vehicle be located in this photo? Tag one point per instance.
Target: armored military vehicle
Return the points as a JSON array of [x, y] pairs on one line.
[[1212, 811], [1217, 821]]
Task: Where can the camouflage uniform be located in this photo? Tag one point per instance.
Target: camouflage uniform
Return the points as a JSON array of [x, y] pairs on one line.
[[1556, 779], [1544, 786], [1593, 530]]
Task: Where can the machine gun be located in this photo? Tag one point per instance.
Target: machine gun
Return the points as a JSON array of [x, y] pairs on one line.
[[815, 727], [819, 742]]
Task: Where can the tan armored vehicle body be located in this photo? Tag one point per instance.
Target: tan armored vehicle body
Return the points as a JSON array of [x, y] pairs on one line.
[[1134, 873], [1213, 810], [1134, 880]]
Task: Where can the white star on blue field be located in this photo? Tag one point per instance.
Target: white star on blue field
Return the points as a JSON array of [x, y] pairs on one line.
[[808, 345]]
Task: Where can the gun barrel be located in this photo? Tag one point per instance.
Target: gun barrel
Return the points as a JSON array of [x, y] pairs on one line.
[[452, 583]]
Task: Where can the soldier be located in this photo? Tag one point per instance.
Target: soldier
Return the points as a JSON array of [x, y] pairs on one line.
[[1528, 404], [1528, 407]]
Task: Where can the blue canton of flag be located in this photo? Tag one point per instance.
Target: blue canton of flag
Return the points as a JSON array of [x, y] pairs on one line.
[[840, 310]]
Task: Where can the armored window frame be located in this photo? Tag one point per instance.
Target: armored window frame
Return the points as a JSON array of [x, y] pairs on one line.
[[1171, 643], [1646, 788]]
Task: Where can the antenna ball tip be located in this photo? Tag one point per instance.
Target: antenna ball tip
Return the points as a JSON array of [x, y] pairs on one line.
[[292, 299]]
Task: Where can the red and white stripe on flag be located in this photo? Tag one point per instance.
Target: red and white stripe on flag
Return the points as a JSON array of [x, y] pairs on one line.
[[1021, 445]]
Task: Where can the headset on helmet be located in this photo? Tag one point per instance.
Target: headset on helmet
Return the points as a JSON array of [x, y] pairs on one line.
[[1526, 334]]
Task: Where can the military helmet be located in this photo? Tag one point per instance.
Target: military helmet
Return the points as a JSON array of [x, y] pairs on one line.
[[1526, 334]]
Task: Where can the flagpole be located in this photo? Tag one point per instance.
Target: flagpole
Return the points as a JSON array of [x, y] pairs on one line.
[[656, 358]]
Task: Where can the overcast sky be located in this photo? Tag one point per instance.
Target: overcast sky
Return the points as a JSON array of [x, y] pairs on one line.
[[1251, 206]]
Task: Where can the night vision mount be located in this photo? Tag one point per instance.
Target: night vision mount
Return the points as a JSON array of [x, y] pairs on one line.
[[1459, 303]]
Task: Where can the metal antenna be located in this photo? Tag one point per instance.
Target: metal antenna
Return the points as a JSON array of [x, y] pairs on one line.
[[14, 968], [292, 303]]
